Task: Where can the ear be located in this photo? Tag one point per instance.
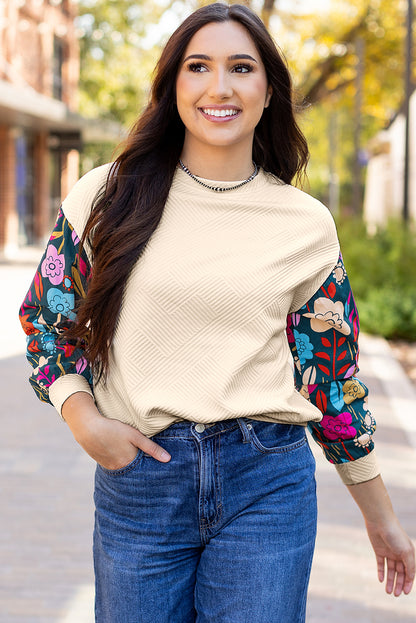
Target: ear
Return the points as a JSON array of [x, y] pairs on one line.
[[268, 96]]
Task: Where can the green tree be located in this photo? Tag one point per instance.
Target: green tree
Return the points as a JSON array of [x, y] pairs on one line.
[[116, 56]]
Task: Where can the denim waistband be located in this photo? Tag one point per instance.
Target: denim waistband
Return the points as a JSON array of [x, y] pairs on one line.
[[187, 429], [190, 430]]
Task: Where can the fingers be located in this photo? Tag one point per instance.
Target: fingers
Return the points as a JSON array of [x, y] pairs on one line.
[[398, 579], [391, 572], [380, 568], [150, 447], [410, 567], [408, 585]]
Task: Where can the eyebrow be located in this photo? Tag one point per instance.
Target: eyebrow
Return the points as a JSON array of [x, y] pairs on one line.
[[233, 57]]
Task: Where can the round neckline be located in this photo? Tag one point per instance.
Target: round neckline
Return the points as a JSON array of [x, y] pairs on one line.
[[184, 178]]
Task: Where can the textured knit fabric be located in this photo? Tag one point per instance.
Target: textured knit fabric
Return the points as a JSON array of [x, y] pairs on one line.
[[202, 330]]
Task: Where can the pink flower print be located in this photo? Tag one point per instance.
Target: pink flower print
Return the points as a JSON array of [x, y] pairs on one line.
[[327, 315], [53, 266], [338, 427]]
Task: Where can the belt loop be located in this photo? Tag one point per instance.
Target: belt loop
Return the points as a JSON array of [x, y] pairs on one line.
[[244, 429]]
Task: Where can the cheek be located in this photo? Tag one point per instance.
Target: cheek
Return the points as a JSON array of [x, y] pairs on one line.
[[259, 91], [185, 89]]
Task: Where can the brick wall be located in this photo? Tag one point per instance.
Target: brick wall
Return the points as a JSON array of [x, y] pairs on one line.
[[34, 35], [27, 45]]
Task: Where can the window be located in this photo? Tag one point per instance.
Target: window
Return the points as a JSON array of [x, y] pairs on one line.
[[58, 61]]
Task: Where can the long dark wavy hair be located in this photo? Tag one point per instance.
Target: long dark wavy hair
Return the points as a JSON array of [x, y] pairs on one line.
[[127, 211]]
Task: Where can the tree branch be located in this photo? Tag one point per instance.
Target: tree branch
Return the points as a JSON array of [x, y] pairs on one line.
[[313, 89]]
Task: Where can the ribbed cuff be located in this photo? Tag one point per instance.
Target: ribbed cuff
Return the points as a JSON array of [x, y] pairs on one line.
[[65, 386], [360, 470]]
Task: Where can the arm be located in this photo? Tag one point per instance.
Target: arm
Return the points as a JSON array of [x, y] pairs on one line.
[[323, 336], [61, 374], [392, 546], [48, 309]]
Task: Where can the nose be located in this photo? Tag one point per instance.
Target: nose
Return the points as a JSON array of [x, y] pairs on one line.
[[220, 86]]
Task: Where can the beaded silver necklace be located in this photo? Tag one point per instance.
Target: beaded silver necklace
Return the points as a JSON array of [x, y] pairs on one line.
[[219, 189]]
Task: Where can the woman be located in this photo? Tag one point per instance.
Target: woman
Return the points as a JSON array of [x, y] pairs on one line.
[[200, 272]]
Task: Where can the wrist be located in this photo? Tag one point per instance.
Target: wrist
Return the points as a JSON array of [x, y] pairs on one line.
[[374, 502], [79, 412]]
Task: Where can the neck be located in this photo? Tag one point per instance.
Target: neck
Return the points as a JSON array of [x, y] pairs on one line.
[[218, 164]]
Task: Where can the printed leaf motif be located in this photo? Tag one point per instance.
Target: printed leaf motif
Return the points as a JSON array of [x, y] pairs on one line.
[[326, 342], [336, 396], [343, 369], [341, 341], [321, 401], [332, 290], [77, 281], [323, 356], [309, 376], [82, 266], [324, 369], [38, 285], [341, 355], [295, 318]]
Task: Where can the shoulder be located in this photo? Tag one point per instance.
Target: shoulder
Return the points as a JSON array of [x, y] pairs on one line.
[[77, 205], [302, 212]]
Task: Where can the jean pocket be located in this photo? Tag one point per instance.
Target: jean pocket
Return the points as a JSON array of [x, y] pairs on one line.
[[127, 468], [274, 438]]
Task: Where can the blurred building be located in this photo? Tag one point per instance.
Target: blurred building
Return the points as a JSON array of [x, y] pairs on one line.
[[384, 188], [41, 133]]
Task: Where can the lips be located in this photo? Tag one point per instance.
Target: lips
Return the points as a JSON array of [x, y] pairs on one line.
[[220, 114]]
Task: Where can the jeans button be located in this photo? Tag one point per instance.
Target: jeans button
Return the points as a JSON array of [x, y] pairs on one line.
[[199, 428]]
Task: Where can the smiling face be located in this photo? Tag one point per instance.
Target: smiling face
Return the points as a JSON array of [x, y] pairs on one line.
[[221, 89]]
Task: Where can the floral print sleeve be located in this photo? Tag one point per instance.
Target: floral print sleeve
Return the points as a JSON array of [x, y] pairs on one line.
[[323, 339], [48, 309]]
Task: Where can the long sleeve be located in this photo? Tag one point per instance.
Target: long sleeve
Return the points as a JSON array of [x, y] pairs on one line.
[[323, 337], [60, 281]]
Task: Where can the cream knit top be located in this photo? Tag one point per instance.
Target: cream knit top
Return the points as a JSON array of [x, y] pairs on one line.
[[201, 334]]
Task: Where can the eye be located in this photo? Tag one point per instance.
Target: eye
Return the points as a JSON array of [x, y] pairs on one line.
[[197, 67], [242, 68]]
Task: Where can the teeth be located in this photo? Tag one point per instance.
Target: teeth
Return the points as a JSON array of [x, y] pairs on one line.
[[214, 112]]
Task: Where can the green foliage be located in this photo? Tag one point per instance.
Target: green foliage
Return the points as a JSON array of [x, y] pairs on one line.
[[381, 272], [116, 59]]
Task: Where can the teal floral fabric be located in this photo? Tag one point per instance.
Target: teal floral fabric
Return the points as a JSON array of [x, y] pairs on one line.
[[322, 337], [49, 308]]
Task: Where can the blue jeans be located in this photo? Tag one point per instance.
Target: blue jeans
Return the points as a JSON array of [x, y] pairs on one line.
[[223, 533]]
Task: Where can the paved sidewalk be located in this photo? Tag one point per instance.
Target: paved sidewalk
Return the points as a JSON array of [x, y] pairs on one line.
[[46, 513]]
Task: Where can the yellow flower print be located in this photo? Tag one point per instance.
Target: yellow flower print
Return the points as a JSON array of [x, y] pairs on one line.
[[352, 390], [327, 315]]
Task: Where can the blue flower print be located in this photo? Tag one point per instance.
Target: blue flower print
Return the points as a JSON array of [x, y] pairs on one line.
[[303, 346], [48, 342], [61, 302]]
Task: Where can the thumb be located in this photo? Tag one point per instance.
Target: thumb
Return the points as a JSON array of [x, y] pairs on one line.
[[150, 447]]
